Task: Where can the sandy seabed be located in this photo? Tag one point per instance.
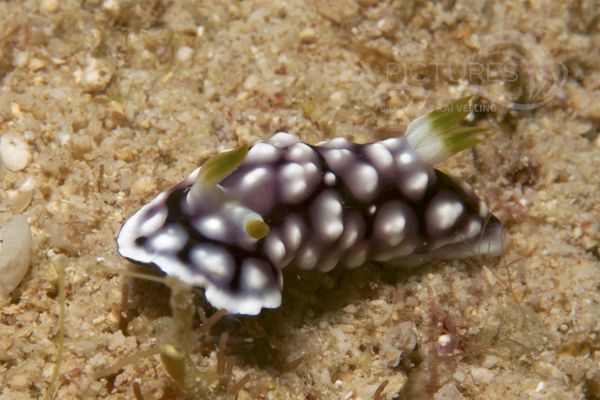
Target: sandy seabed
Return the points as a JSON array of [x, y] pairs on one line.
[[117, 100]]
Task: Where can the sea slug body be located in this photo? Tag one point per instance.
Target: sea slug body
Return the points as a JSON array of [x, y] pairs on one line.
[[233, 224]]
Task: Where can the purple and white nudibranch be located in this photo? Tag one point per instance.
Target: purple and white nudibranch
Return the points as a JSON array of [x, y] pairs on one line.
[[233, 224]]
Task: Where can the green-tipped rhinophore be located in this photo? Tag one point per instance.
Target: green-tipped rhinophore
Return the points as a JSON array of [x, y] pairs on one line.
[[220, 166], [436, 137], [257, 229]]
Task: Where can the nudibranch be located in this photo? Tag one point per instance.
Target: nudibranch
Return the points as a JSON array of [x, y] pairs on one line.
[[234, 223]]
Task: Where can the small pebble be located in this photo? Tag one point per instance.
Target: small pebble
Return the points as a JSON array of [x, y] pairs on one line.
[[448, 392], [350, 309], [63, 137], [20, 58], [491, 361], [386, 25], [49, 6], [444, 340], [416, 22], [540, 387], [36, 64], [181, 22], [20, 200], [15, 109], [459, 375], [96, 76], [308, 35], [252, 83], [14, 152], [482, 375], [184, 53], [112, 6]]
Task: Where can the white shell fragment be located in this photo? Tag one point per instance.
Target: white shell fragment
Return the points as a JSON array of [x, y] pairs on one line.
[[336, 202], [14, 152], [96, 75], [15, 253]]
